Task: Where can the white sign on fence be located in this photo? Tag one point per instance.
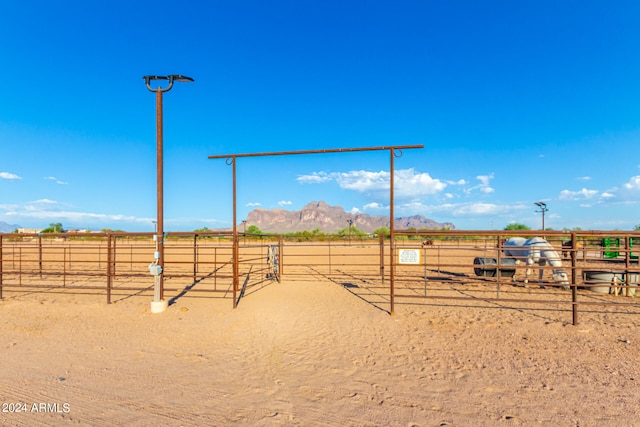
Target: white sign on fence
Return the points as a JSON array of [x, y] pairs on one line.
[[409, 256]]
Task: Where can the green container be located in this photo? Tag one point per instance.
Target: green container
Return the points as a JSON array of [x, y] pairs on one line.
[[607, 243]]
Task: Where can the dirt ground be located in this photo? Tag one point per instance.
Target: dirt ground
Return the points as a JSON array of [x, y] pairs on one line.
[[313, 352]]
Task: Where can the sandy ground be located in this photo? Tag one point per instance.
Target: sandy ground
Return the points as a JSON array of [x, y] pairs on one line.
[[312, 353]]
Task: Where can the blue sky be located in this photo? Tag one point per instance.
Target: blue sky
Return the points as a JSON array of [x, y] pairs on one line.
[[515, 102]]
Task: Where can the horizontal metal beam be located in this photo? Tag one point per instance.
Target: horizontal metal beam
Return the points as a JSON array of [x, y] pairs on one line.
[[334, 150]]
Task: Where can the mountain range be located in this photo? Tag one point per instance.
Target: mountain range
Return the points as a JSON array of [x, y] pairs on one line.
[[331, 219], [7, 228]]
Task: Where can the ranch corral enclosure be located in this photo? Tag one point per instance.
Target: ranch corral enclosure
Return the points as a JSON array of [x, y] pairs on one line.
[[459, 268]]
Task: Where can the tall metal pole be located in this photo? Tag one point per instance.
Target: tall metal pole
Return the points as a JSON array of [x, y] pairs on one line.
[[159, 290], [391, 234], [543, 209], [235, 238], [158, 304]]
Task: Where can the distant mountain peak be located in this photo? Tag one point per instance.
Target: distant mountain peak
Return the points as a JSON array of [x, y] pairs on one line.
[[319, 214], [7, 228]]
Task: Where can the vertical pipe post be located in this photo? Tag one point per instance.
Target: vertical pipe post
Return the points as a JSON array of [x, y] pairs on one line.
[[425, 269], [280, 257], [499, 246], [235, 236], [195, 257], [215, 267], [329, 254], [115, 256], [573, 255], [109, 261], [159, 292], [627, 261], [40, 253], [498, 273], [574, 286], [391, 234], [381, 237]]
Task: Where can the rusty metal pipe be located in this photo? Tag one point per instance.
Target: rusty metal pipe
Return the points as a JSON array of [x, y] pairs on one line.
[[322, 151], [391, 233], [110, 258], [160, 191], [195, 256], [574, 286], [40, 253], [280, 257], [236, 278], [159, 283]]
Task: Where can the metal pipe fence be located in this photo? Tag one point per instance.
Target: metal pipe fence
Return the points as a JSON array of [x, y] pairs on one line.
[[470, 267], [116, 264], [452, 267]]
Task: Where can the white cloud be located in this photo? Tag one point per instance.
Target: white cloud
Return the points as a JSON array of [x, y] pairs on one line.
[[484, 179], [253, 204], [42, 204], [56, 180], [628, 192], [469, 209], [315, 178], [8, 207], [44, 211], [51, 210], [8, 175], [354, 210], [408, 183], [487, 190], [577, 195], [484, 186], [584, 178], [633, 184], [458, 182], [476, 209], [362, 181], [484, 183], [374, 206], [76, 217], [285, 203]]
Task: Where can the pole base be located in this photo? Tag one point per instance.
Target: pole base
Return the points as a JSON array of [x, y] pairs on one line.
[[159, 306]]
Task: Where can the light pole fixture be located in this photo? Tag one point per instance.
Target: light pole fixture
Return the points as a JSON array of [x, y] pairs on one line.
[[543, 209], [156, 268]]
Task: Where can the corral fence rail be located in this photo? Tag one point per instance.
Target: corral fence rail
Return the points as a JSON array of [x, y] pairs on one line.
[[462, 267], [116, 264], [457, 266]]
